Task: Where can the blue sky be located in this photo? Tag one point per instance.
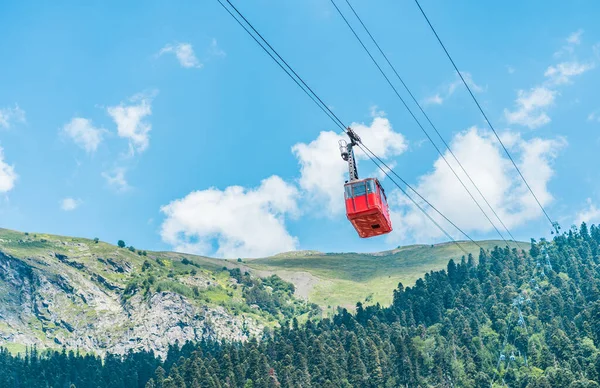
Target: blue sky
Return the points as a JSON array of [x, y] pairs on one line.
[[168, 127]]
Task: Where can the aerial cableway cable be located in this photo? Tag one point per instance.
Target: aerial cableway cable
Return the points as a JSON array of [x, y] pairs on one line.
[[434, 128], [336, 118], [315, 98], [338, 122], [328, 112], [553, 223], [368, 151], [417, 120]]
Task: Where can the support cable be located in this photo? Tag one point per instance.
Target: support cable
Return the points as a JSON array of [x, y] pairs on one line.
[[416, 120], [553, 223], [432, 125], [315, 98]]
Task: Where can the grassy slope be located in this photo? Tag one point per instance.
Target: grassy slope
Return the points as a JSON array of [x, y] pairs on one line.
[[37, 250], [329, 280], [344, 279]]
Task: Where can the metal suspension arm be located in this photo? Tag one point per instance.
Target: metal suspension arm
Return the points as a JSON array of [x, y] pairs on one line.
[[347, 152]]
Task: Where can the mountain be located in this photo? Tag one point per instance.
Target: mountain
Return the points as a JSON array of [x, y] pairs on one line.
[[100, 298], [510, 317], [343, 279]]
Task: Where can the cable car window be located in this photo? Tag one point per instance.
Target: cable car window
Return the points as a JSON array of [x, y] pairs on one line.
[[359, 189], [371, 186], [348, 191], [382, 191]]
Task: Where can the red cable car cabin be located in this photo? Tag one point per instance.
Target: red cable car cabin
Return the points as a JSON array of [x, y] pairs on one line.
[[367, 208]]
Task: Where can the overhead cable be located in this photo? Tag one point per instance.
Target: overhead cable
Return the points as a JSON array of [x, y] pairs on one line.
[[415, 118], [325, 108], [553, 223], [434, 128]]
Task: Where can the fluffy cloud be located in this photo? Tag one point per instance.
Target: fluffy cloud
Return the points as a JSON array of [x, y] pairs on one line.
[[130, 121], [184, 53], [116, 179], [250, 222], [7, 175], [322, 171], [10, 115], [574, 39], [563, 72], [484, 160], [69, 204], [449, 89], [242, 222], [589, 215], [83, 133], [531, 107]]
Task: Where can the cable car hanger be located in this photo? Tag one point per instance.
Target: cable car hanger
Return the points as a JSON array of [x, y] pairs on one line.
[[347, 152]]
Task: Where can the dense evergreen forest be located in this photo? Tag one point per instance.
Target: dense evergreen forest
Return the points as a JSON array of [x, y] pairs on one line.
[[510, 318]]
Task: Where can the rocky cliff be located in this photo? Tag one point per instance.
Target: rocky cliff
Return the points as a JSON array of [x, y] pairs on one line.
[[97, 297]]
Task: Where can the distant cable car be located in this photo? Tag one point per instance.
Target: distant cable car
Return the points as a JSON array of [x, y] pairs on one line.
[[366, 203]]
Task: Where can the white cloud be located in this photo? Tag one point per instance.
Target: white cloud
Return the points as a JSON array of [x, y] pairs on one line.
[[469, 80], [449, 89], [10, 115], [383, 172], [69, 204], [510, 69], [184, 53], [83, 133], [594, 117], [242, 222], [8, 176], [374, 111], [575, 37], [434, 100], [562, 72], [380, 137], [531, 106], [589, 215], [484, 160], [214, 49], [322, 170], [130, 121], [116, 179]]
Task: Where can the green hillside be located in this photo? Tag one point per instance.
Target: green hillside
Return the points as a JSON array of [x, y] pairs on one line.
[[99, 297], [327, 279], [342, 279]]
